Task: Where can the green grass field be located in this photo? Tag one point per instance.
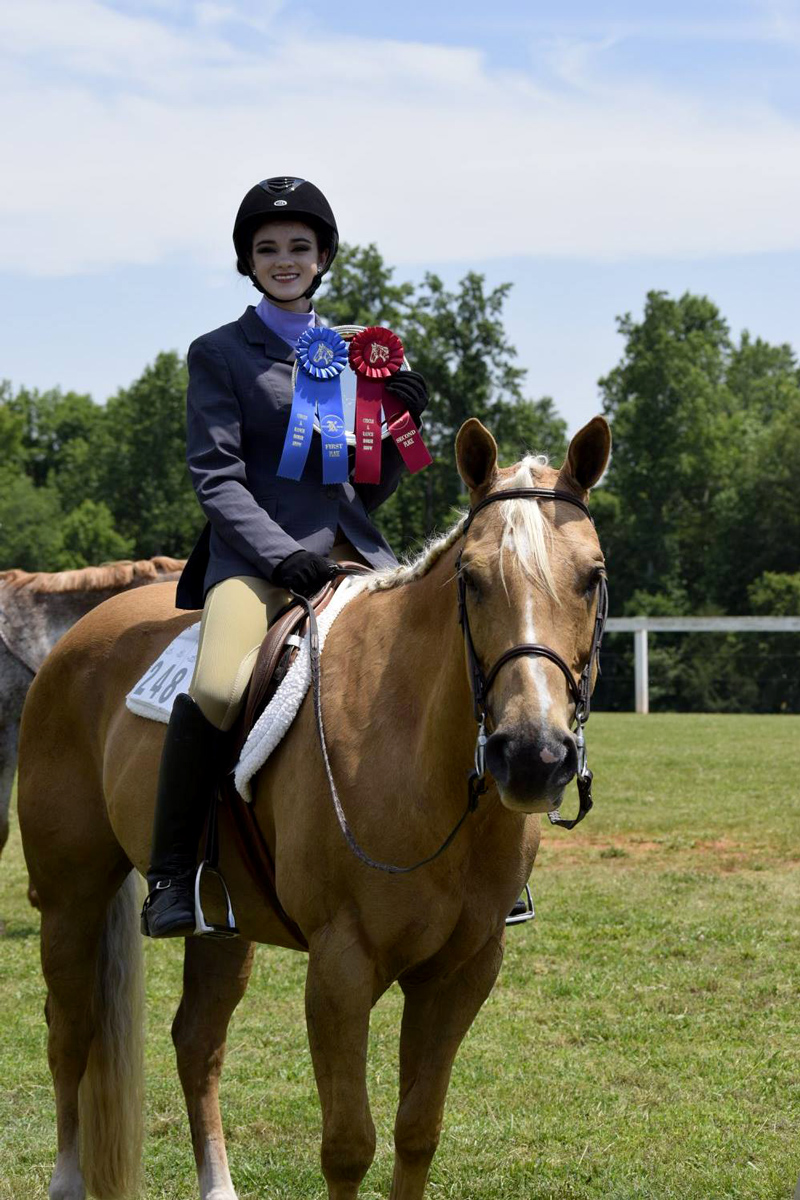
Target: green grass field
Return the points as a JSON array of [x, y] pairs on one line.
[[642, 1041]]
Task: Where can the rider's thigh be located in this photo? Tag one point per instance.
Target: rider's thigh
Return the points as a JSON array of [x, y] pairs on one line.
[[232, 628]]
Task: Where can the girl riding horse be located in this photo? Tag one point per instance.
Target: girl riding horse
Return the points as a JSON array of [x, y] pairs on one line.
[[265, 535]]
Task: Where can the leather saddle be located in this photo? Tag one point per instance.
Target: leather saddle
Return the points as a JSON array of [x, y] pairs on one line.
[[278, 651]]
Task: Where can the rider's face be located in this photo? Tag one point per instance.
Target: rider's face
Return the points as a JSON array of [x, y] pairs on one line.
[[286, 258]]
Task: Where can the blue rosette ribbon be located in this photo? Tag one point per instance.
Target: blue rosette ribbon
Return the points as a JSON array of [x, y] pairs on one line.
[[322, 355]]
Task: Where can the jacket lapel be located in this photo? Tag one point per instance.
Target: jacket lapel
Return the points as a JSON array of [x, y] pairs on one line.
[[257, 332]]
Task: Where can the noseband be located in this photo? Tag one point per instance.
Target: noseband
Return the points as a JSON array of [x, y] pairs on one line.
[[580, 691]]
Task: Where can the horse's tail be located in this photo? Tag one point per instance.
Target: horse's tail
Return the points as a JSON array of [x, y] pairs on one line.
[[111, 1095]]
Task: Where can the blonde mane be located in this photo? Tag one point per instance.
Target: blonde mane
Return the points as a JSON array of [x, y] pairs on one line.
[[526, 536], [407, 572], [106, 577]]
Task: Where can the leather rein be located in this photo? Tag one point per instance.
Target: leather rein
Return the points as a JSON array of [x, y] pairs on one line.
[[481, 685]]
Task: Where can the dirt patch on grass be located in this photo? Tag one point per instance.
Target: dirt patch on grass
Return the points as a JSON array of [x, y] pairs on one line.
[[624, 851]]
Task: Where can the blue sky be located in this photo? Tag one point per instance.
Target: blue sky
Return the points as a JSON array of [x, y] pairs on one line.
[[585, 152]]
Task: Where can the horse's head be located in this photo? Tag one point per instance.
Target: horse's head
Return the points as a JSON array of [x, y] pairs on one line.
[[531, 569]]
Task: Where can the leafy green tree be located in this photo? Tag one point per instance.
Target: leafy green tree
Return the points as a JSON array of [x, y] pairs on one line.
[[670, 411], [699, 510], [52, 424], [144, 480], [30, 524], [89, 537], [360, 290], [706, 458], [759, 518], [458, 341], [775, 594], [12, 432]]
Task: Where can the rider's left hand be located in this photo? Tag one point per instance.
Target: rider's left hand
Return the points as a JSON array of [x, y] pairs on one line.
[[410, 388]]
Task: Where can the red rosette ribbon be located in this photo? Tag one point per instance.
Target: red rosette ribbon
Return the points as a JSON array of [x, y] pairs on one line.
[[376, 354]]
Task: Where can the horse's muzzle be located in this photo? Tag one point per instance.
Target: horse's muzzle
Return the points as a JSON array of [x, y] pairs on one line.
[[532, 765]]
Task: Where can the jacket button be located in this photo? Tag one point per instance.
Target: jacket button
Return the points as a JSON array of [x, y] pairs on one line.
[[331, 491]]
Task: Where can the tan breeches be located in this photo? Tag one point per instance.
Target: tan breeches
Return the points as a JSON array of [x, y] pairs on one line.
[[236, 615]]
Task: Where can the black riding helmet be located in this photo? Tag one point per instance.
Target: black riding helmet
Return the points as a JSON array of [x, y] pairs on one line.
[[284, 197]]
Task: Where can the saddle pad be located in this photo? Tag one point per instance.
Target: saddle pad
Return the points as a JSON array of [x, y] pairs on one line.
[[284, 706], [171, 674]]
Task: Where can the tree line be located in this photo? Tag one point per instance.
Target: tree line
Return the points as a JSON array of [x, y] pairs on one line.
[[697, 514]]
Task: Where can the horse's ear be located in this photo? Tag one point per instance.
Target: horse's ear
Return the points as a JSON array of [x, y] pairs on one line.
[[587, 457], [476, 454]]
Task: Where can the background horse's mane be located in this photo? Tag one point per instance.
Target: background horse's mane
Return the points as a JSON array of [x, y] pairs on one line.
[[91, 579], [525, 535]]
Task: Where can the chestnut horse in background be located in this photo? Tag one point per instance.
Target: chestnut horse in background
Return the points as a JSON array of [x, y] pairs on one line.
[[401, 734]]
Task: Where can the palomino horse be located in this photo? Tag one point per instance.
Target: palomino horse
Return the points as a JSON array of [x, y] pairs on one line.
[[401, 731], [36, 608]]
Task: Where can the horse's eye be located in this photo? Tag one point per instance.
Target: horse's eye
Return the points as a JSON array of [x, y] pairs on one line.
[[595, 577], [471, 581]]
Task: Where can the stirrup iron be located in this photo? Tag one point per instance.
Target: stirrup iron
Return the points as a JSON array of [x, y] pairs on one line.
[[201, 925], [528, 915]]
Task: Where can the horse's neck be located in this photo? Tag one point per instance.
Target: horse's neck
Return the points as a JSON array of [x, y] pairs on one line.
[[429, 659]]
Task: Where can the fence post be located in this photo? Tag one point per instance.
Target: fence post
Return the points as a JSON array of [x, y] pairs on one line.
[[641, 673]]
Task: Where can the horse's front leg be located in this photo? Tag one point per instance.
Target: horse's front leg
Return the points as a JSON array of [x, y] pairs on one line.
[[215, 976], [437, 1013], [340, 991]]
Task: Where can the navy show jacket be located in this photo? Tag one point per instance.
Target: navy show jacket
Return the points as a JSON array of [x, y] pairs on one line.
[[237, 412]]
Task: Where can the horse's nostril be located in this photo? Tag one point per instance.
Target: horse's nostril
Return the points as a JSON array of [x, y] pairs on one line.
[[570, 753], [497, 756]]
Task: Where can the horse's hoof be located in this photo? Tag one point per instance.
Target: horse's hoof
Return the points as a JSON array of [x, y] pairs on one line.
[[67, 1183]]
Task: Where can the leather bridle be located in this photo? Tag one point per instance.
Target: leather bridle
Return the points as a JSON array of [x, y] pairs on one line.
[[481, 685], [580, 690]]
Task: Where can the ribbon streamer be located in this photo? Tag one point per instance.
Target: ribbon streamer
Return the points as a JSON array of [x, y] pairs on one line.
[[321, 358], [406, 436], [376, 354]]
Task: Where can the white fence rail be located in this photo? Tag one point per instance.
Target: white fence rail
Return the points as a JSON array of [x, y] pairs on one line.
[[640, 627]]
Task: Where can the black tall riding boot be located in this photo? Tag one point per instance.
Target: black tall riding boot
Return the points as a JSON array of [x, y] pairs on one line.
[[192, 762]]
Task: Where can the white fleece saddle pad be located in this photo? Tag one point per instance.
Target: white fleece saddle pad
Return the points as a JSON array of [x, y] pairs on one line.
[[154, 694]]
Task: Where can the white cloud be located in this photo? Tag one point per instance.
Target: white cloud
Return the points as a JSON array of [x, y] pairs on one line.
[[127, 142]]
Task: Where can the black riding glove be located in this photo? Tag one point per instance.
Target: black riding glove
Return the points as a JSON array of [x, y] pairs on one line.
[[304, 572], [410, 388]]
